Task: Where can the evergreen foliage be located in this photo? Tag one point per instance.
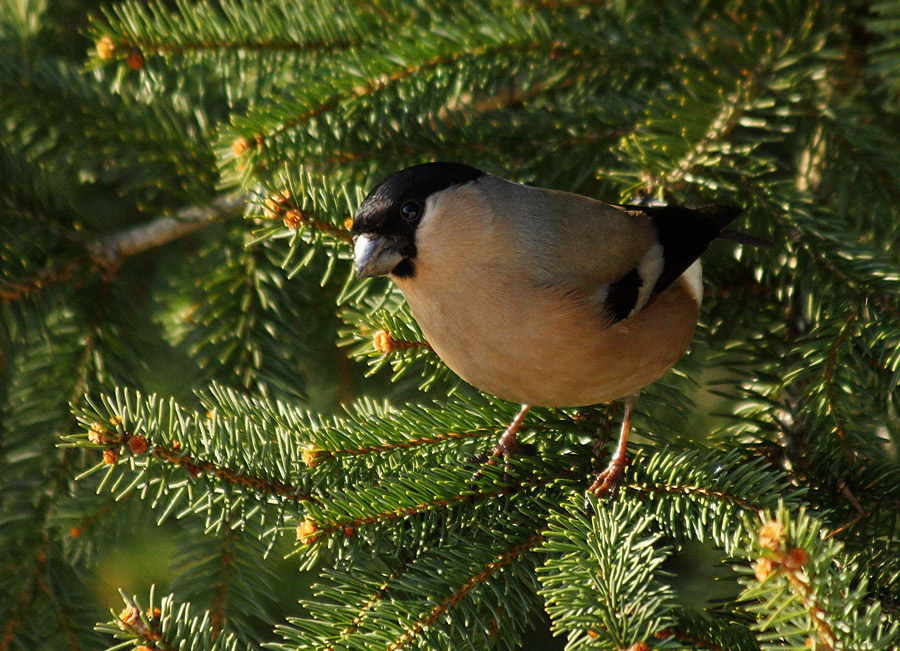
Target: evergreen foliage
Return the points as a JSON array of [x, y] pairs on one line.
[[183, 340]]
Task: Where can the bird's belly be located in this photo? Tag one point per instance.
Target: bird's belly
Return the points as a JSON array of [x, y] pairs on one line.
[[552, 350]]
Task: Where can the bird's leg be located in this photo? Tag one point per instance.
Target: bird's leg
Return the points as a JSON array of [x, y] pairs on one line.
[[507, 445], [607, 482]]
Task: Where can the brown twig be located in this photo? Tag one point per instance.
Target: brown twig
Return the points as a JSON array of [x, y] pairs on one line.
[[230, 475], [437, 437], [687, 489], [830, 402], [402, 512], [217, 612], [460, 593], [110, 250], [385, 81]]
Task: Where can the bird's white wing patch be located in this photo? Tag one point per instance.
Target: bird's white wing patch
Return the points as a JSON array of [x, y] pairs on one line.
[[650, 268], [694, 277]]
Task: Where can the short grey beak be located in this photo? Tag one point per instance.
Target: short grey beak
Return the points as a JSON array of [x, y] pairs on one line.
[[372, 255]]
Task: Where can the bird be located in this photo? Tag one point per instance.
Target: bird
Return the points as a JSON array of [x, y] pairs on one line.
[[538, 296]]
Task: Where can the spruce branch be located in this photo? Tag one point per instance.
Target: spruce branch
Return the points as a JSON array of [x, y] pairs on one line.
[[167, 626], [217, 614], [108, 252], [461, 592], [602, 579], [257, 139], [21, 603], [111, 249], [831, 402], [380, 593], [321, 524], [15, 290], [315, 455], [225, 474], [805, 591], [733, 108]]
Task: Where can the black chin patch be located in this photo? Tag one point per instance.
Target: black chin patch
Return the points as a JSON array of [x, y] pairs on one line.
[[405, 269]]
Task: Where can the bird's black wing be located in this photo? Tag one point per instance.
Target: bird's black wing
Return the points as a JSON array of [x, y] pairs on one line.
[[682, 234]]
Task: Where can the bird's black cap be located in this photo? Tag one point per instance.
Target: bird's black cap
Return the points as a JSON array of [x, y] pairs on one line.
[[380, 209], [394, 207]]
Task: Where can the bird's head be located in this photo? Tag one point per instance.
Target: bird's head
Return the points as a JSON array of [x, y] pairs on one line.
[[385, 224]]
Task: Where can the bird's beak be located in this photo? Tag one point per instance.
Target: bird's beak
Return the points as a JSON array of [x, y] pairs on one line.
[[373, 255]]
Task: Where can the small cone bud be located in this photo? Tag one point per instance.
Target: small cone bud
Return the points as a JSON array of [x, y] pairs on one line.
[[293, 218], [276, 203], [383, 342], [138, 445], [762, 568], [771, 535], [135, 59], [239, 146], [310, 455], [307, 531], [796, 558], [130, 620], [105, 47], [110, 457]]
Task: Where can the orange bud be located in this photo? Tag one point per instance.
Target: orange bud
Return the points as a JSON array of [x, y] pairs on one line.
[[796, 558], [348, 223], [762, 568], [130, 619], [75, 532], [96, 437], [383, 342], [105, 47], [110, 457], [138, 445], [135, 59], [293, 218], [310, 455], [239, 146], [771, 535], [306, 531], [276, 203]]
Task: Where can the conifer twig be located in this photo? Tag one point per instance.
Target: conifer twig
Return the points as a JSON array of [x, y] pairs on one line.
[[459, 594], [217, 614], [196, 466], [110, 250]]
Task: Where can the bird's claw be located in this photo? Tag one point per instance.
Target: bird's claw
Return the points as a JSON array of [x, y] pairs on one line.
[[507, 451], [606, 483]]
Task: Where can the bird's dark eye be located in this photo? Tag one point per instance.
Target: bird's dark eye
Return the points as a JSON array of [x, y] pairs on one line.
[[410, 210]]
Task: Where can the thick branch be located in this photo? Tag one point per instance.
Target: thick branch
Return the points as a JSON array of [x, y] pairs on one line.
[[111, 249]]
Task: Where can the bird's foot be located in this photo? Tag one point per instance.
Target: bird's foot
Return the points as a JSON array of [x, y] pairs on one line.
[[506, 448], [607, 482]]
